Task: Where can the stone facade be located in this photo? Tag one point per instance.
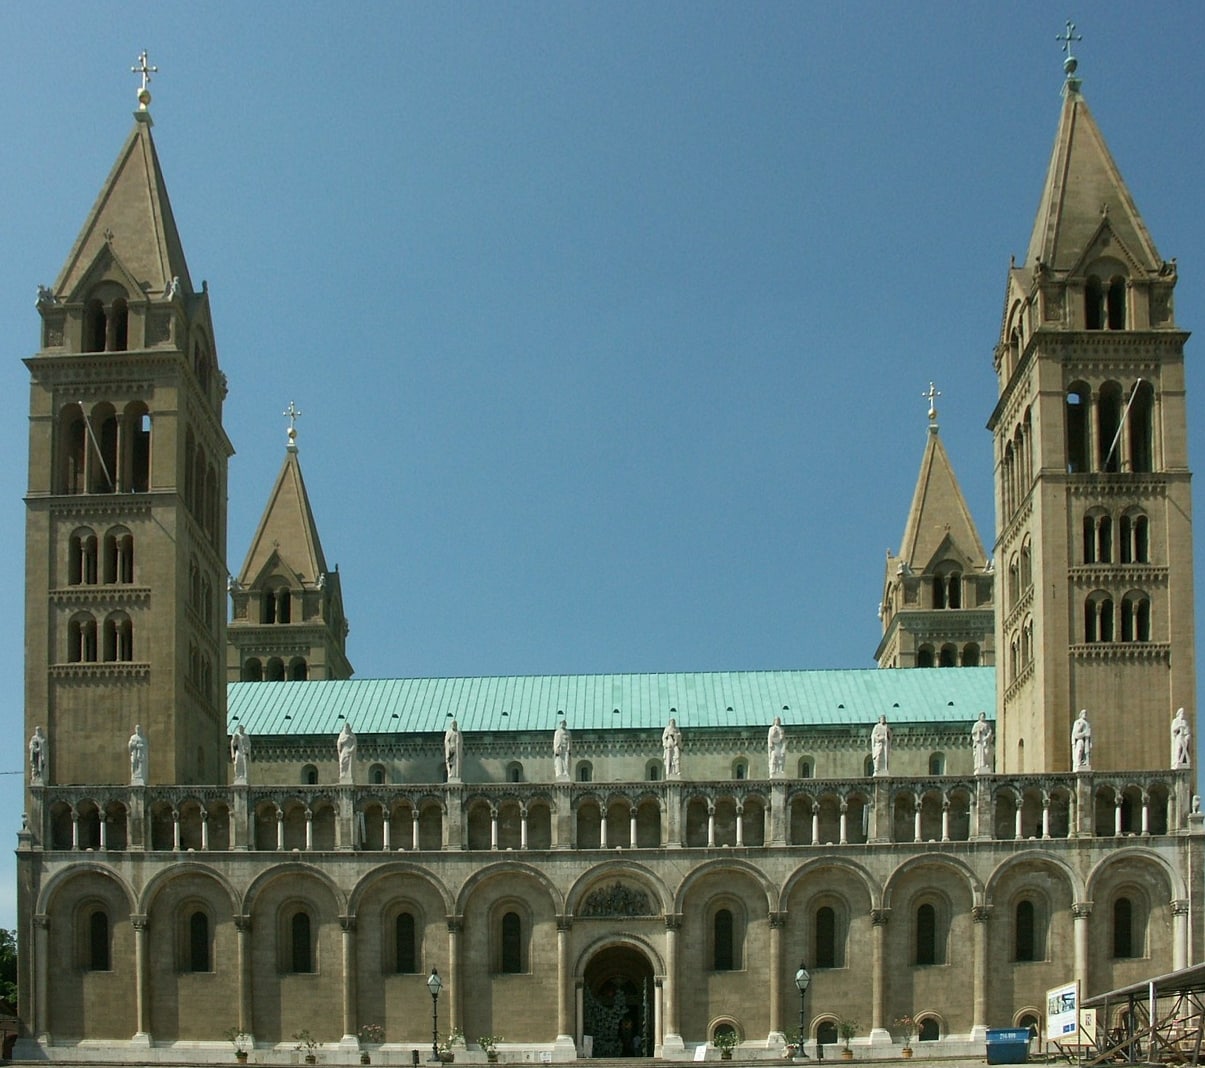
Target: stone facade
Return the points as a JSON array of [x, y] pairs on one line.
[[648, 909]]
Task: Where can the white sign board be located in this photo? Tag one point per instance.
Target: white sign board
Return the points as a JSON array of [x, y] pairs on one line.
[[1065, 1020]]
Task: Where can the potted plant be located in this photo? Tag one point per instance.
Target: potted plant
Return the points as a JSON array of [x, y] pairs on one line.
[[489, 1044], [907, 1026], [725, 1040], [847, 1028], [796, 1038], [242, 1043], [306, 1043], [446, 1052], [370, 1035]]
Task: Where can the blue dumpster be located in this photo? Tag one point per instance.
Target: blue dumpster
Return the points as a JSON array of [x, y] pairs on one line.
[[1007, 1045]]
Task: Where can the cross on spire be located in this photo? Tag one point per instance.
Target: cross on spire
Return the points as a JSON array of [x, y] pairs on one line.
[[1070, 63], [931, 396], [143, 68], [292, 412]]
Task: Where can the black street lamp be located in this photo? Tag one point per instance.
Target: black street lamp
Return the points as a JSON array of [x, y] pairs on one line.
[[435, 985], [802, 978]]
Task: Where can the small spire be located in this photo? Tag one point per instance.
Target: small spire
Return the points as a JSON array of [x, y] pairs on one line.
[[146, 70], [291, 413], [1070, 64], [931, 396]]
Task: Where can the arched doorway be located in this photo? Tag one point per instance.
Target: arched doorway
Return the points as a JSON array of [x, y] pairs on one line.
[[617, 1002]]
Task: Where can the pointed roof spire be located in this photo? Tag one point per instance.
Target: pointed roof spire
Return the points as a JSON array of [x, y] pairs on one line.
[[1083, 188], [287, 527], [939, 511], [132, 216]]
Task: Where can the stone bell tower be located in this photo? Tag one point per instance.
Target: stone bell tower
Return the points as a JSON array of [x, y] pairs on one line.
[[1094, 516], [126, 505]]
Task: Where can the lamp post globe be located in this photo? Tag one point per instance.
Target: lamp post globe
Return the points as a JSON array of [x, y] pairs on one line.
[[434, 985], [803, 979]]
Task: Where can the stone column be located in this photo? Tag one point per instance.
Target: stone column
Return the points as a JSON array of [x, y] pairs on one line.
[[815, 823], [777, 832], [945, 818], [1081, 912], [1179, 934], [452, 984], [204, 831], [1045, 815], [41, 977], [240, 827], [493, 826], [658, 1014], [671, 816], [280, 830], [142, 1002], [348, 923], [980, 914], [740, 824], [672, 1040], [564, 991], [1146, 813], [74, 828], [386, 830], [843, 833], [778, 921], [176, 830], [104, 833], [880, 816], [602, 826], [632, 827], [414, 814], [917, 806], [309, 830], [878, 978], [242, 927], [710, 824]]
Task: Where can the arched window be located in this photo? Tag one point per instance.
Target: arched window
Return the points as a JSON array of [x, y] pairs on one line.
[[514, 771], [585, 771], [826, 1033], [1014, 581], [198, 943], [937, 764], [253, 670], [1135, 618], [1116, 303], [826, 937], [138, 432], [924, 656], [926, 935], [1024, 932], [868, 767], [81, 558], [1098, 618], [1026, 564], [376, 775], [81, 639], [1094, 304], [723, 941], [119, 557], [970, 655], [94, 327], [1142, 428], [949, 655], [740, 770], [98, 957], [652, 771], [929, 1030], [276, 670], [1075, 416], [1109, 406], [512, 944], [119, 639], [807, 768], [405, 946], [301, 947], [309, 775], [118, 327], [299, 670], [1123, 928]]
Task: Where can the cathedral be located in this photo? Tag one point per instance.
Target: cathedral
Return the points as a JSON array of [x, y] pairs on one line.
[[229, 835]]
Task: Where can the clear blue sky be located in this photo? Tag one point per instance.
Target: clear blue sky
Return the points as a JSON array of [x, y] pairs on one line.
[[609, 322]]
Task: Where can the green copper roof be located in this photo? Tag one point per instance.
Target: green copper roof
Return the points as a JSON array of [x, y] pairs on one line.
[[600, 702]]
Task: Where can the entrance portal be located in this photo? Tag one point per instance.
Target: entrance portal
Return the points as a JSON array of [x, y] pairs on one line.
[[617, 1003]]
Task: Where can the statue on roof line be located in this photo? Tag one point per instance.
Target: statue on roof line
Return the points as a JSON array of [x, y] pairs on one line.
[[453, 751], [880, 747], [240, 754], [776, 749], [346, 745], [560, 752], [982, 745], [39, 747], [1181, 741], [671, 750], [138, 756], [1081, 743]]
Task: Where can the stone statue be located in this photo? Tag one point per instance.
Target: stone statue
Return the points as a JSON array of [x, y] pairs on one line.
[[453, 751], [560, 752], [776, 749], [880, 747], [240, 753], [982, 745], [39, 749], [1081, 743], [138, 756], [671, 750], [1181, 741], [346, 746]]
